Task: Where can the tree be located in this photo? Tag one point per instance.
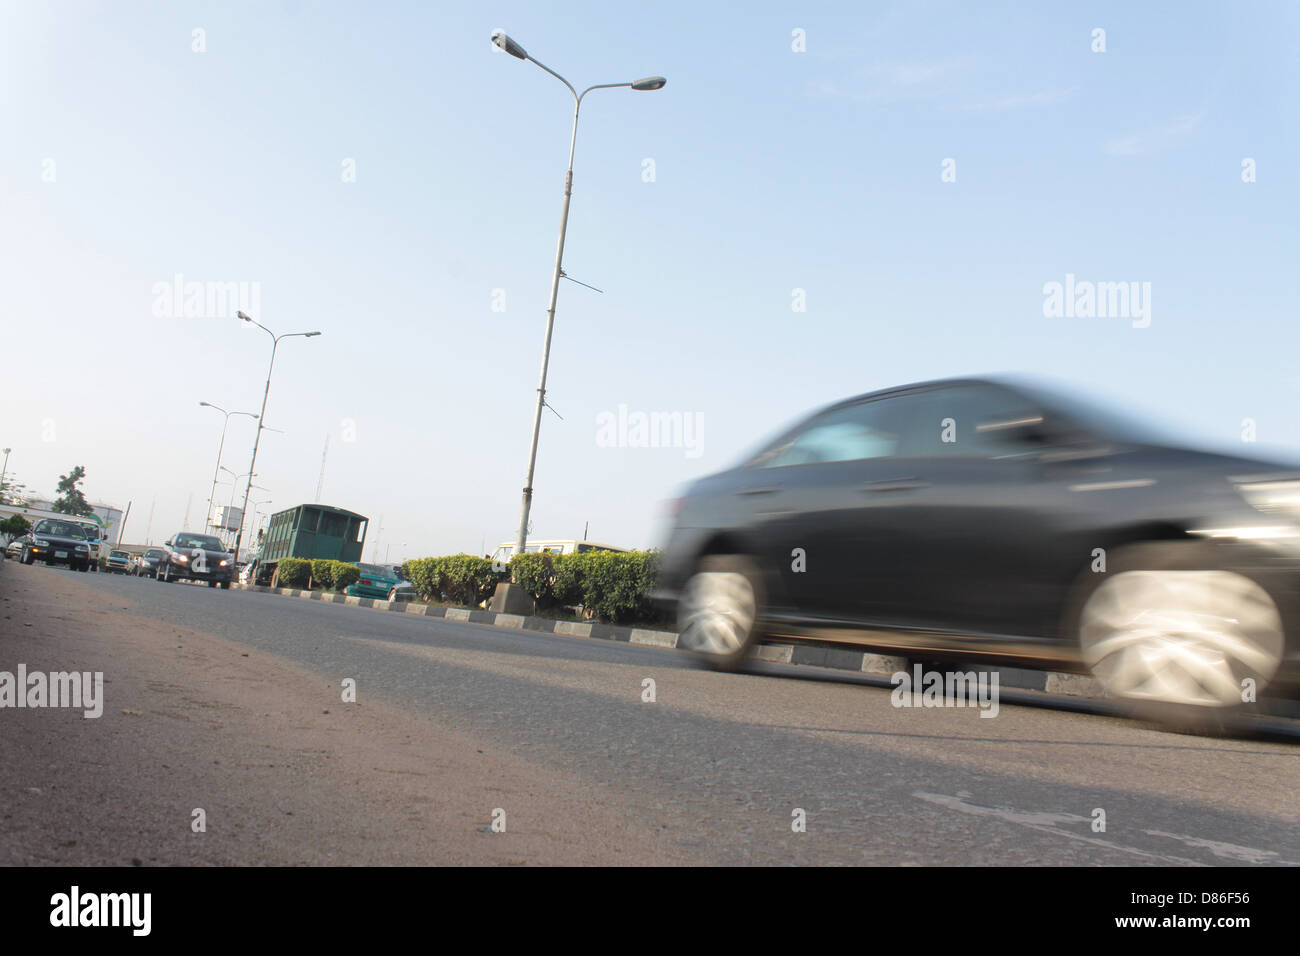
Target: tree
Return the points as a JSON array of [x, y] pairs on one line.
[[15, 526], [71, 501]]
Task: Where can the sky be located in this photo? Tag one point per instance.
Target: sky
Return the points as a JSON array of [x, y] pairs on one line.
[[825, 199]]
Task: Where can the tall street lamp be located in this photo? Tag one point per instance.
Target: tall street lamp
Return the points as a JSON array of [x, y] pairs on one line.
[[212, 496], [261, 418], [647, 83], [3, 471]]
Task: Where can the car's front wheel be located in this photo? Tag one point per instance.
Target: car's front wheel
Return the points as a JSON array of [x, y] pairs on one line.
[[1179, 636], [717, 614], [163, 573]]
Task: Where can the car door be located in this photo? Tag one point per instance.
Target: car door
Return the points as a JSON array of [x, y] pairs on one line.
[[814, 501], [991, 534]]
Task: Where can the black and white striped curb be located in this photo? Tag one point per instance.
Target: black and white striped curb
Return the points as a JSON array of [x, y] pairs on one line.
[[1052, 682]]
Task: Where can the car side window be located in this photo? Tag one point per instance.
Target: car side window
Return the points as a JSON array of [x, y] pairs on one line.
[[971, 421], [850, 433]]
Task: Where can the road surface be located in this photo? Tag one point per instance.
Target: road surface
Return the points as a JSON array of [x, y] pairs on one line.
[[231, 703]]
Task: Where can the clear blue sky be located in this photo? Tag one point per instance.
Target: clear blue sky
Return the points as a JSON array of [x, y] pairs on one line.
[[774, 170]]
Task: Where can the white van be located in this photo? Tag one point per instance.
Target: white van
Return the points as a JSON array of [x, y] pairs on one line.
[[506, 549]]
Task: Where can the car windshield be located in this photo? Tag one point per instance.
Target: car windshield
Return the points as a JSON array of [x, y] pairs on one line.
[[62, 529], [90, 531], [205, 541], [151, 553]]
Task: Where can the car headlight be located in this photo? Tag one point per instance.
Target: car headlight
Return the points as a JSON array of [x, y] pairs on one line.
[[181, 558], [82, 547], [1274, 497], [41, 544], [224, 563]]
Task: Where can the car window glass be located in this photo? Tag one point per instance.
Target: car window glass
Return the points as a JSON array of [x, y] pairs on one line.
[[851, 433], [972, 421]]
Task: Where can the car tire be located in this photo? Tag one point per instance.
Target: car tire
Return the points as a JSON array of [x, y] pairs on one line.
[[719, 610], [84, 568], [1173, 631], [225, 585], [27, 557], [163, 573]]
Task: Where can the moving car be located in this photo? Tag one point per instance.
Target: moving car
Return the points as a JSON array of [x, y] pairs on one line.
[[382, 581], [998, 521], [119, 562], [189, 556], [146, 566], [56, 542], [14, 548]]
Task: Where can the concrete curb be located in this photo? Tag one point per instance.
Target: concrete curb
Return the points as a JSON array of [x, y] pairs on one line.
[[1052, 682]]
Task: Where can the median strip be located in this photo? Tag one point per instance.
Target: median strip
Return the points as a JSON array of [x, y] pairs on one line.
[[1052, 682]]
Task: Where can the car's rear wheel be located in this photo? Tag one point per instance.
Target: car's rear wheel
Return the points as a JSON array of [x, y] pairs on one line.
[[1179, 636], [717, 615], [163, 573], [225, 585]]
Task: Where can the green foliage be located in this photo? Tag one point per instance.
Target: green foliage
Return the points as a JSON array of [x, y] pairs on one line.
[[15, 526], [71, 501], [535, 573], [617, 586], [614, 586], [322, 573], [293, 572], [457, 579], [344, 575]]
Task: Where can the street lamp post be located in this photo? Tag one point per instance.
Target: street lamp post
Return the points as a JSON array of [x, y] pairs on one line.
[[504, 42], [212, 496], [261, 418], [3, 471], [234, 490]]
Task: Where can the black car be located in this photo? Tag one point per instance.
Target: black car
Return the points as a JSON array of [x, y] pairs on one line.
[[56, 542], [147, 565], [1001, 522], [189, 556]]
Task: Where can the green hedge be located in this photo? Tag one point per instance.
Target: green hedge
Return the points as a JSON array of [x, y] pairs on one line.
[[344, 575], [613, 586], [322, 573], [456, 579], [293, 572]]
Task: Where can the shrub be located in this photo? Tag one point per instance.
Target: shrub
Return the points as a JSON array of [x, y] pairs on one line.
[[344, 575], [616, 586], [535, 573], [457, 579], [293, 572], [322, 573]]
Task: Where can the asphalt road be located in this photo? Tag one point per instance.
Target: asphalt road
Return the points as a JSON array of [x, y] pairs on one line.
[[718, 765]]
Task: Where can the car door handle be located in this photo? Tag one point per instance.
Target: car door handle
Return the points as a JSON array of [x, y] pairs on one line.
[[895, 484], [757, 491]]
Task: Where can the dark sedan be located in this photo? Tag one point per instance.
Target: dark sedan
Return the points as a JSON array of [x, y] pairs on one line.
[[147, 566], [56, 542], [1006, 523], [196, 557]]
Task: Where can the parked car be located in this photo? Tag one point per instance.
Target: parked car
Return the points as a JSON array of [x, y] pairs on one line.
[[189, 556], [146, 565], [1003, 522], [382, 581], [56, 542], [119, 562]]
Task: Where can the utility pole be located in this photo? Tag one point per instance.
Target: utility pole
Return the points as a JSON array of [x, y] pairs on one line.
[[320, 483]]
